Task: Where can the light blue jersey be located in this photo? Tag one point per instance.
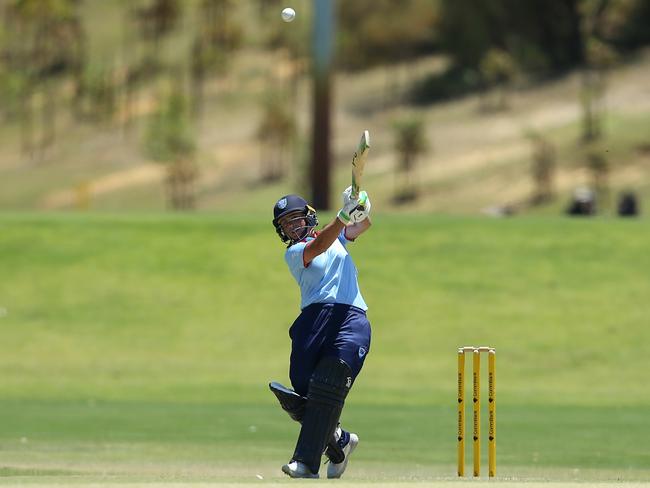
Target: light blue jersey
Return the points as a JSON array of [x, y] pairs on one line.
[[330, 278]]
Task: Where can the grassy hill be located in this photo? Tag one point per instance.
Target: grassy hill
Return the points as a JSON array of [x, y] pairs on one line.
[[477, 159], [139, 347]]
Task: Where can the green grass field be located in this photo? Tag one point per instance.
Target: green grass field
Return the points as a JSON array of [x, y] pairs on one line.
[[135, 350]]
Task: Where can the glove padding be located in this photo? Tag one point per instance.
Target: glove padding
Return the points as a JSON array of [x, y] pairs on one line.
[[347, 196], [362, 210], [349, 204], [354, 210]]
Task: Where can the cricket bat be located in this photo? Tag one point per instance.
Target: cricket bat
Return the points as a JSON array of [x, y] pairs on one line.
[[358, 162]]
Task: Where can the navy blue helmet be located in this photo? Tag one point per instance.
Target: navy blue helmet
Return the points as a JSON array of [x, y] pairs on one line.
[[294, 203]]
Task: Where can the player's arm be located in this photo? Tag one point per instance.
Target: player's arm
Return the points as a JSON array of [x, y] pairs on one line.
[[353, 231], [361, 218], [323, 241], [330, 232]]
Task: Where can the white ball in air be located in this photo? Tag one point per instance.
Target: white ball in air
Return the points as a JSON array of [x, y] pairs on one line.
[[288, 14]]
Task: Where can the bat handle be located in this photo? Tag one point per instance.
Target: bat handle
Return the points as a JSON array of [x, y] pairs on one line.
[[354, 194]]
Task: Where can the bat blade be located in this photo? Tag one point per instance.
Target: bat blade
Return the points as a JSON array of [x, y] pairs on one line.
[[359, 162]]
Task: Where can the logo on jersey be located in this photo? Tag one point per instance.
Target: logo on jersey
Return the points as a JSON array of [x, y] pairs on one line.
[[348, 383], [362, 352], [282, 203]]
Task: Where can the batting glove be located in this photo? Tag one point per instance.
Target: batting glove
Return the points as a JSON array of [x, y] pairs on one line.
[[349, 205], [347, 195], [362, 210]]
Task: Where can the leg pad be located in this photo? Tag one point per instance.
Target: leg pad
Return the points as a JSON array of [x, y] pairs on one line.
[[290, 401], [294, 404], [328, 388]]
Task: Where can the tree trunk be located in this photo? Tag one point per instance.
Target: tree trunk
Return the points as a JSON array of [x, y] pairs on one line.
[[27, 120], [48, 132], [181, 178]]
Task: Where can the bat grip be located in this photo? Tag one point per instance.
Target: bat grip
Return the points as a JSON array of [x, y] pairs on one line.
[[354, 194]]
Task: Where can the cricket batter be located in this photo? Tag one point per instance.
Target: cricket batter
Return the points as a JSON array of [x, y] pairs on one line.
[[330, 339]]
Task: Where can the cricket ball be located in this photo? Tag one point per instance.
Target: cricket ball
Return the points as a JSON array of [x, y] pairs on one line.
[[288, 14]]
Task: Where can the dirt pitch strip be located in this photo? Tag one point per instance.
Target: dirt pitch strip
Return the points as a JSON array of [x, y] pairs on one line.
[[339, 483]]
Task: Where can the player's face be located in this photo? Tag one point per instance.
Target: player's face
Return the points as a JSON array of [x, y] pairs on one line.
[[294, 225]]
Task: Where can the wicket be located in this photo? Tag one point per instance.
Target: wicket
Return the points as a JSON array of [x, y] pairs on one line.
[[476, 401]]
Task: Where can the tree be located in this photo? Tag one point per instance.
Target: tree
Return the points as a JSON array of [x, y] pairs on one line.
[[541, 35], [628, 27], [375, 32], [170, 140], [217, 37], [410, 143], [288, 58], [600, 59], [287, 45], [43, 47], [498, 70], [386, 33], [145, 27], [98, 98], [158, 19], [543, 169], [275, 132], [599, 169]]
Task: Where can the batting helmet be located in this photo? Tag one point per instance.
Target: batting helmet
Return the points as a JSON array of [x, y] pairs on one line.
[[292, 203]]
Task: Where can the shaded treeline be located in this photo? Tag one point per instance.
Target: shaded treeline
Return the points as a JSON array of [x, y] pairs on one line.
[[537, 38]]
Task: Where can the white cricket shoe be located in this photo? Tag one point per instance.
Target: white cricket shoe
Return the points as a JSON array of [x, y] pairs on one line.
[[296, 469], [336, 470]]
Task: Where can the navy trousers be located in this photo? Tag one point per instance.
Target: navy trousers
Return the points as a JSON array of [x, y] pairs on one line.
[[327, 329]]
